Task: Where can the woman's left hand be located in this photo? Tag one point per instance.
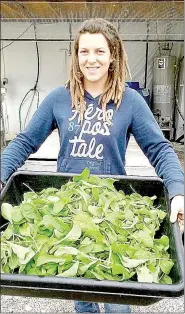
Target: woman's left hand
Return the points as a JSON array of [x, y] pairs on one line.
[[177, 211]]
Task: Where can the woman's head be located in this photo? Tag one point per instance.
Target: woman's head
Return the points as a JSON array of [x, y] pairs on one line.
[[98, 57], [94, 58]]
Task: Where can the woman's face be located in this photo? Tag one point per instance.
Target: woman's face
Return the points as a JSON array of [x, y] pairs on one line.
[[94, 58]]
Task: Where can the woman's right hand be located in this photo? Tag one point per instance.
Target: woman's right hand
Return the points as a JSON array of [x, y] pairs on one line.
[[177, 211]]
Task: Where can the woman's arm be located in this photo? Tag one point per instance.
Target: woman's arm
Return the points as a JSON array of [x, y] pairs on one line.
[[160, 154], [156, 147]]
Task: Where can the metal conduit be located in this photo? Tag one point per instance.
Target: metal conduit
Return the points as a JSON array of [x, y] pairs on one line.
[[71, 40]]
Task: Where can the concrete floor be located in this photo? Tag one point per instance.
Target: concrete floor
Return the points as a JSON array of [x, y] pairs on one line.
[[136, 164], [11, 304]]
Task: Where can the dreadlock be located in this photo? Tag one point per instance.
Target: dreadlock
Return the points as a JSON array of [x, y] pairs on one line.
[[118, 70]]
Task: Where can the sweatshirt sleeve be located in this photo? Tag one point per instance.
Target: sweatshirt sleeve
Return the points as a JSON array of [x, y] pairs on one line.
[[30, 139], [156, 147]]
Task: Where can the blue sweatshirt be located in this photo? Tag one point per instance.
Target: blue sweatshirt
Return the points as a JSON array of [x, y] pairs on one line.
[[98, 145]]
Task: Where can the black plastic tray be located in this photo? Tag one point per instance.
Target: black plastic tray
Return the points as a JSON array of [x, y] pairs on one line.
[[88, 289]]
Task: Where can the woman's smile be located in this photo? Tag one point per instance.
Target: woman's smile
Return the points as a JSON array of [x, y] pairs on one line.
[[92, 70]]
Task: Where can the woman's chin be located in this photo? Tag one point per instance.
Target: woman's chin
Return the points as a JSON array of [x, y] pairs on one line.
[[93, 78]]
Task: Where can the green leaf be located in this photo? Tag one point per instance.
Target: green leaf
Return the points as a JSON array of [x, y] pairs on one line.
[[74, 234], [7, 211], [99, 248], [12, 214], [144, 275], [94, 274], [95, 193], [87, 248], [46, 258], [142, 253], [95, 211], [87, 225], [83, 194], [8, 232], [166, 280], [59, 206], [153, 198], [45, 231], [25, 229], [66, 250], [54, 223], [53, 199], [83, 176], [129, 214], [51, 268], [13, 261], [131, 263], [6, 269], [152, 266], [83, 268], [48, 191], [124, 249], [84, 258], [110, 276], [58, 234], [153, 214], [113, 218], [71, 272], [155, 274], [25, 268], [109, 183], [161, 214], [164, 241], [118, 269], [166, 266], [28, 211], [28, 257], [86, 241], [41, 239], [17, 216], [19, 250], [34, 271], [145, 238], [29, 196]]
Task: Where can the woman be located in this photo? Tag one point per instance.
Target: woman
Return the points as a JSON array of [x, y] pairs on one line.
[[95, 114]]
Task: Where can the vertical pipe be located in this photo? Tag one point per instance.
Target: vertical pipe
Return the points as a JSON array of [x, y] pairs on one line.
[[146, 56], [3, 142], [70, 36], [146, 64]]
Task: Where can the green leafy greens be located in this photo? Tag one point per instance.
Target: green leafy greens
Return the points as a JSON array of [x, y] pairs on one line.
[[86, 229]]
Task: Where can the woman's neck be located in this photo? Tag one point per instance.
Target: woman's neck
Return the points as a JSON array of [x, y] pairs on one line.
[[94, 88], [93, 93]]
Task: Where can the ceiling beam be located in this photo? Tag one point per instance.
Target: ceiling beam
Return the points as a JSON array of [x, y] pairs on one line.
[[85, 1], [82, 9]]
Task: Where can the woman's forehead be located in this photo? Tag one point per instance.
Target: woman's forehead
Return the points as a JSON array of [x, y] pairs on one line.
[[88, 40]]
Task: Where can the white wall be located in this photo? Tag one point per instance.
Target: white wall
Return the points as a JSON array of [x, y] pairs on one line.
[[19, 60]]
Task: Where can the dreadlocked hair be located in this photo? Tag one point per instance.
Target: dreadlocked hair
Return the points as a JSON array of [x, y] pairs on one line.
[[117, 73]]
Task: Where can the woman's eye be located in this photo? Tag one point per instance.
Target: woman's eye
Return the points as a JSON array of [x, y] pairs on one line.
[[101, 51], [83, 52]]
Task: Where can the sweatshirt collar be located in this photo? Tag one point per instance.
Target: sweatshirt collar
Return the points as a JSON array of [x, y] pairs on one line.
[[90, 97]]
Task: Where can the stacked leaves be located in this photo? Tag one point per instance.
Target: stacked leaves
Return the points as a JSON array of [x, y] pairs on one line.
[[86, 229]]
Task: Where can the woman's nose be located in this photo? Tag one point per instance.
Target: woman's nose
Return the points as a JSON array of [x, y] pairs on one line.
[[91, 57]]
